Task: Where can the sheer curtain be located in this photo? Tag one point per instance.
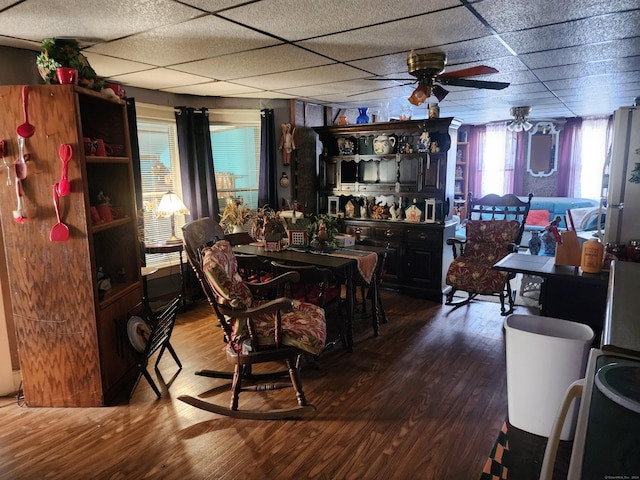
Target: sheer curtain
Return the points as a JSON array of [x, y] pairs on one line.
[[476, 137], [568, 156], [499, 160], [593, 153]]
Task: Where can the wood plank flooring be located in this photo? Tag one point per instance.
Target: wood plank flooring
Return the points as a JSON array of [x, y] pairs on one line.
[[424, 400]]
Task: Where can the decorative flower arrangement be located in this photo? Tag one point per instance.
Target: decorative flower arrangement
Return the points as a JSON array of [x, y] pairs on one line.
[[58, 53], [235, 214], [330, 226], [266, 221]]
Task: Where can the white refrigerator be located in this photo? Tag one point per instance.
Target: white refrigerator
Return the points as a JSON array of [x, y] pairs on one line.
[[622, 222]]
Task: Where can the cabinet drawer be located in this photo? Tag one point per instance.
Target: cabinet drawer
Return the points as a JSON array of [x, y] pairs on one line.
[[348, 187], [388, 233], [419, 236], [386, 188]]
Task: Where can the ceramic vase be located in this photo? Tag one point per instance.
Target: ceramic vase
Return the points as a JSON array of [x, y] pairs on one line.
[[363, 117], [535, 243]]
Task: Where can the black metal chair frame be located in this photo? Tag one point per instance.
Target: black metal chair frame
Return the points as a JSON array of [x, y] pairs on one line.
[[159, 339]]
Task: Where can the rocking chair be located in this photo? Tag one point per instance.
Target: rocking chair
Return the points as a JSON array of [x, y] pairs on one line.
[[278, 330], [494, 229]]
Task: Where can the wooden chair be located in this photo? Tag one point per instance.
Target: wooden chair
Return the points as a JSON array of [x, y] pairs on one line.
[[278, 330], [161, 326], [315, 285], [494, 228], [365, 289]]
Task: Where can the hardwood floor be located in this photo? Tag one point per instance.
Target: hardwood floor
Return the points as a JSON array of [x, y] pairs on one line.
[[424, 400]]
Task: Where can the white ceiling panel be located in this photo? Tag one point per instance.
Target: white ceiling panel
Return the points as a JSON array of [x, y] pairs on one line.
[[569, 58], [196, 39]]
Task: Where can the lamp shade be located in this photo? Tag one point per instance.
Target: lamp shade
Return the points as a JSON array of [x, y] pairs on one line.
[[170, 204]]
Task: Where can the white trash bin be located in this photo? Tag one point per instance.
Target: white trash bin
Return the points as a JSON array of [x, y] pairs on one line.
[[544, 356]]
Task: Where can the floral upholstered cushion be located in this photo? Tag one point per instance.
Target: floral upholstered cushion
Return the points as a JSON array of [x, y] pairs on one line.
[[487, 242], [221, 269], [304, 328]]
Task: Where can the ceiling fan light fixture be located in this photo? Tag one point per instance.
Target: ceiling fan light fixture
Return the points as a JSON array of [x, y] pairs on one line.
[[520, 122], [420, 94]]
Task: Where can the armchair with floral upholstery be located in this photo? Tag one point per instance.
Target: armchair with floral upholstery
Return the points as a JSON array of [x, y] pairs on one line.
[[494, 229], [255, 331]]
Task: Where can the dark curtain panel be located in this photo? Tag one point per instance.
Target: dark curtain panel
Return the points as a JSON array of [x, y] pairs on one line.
[[267, 185], [196, 163], [569, 150]]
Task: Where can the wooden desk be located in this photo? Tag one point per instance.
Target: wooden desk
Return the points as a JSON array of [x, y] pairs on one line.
[[154, 248], [343, 267], [566, 292]]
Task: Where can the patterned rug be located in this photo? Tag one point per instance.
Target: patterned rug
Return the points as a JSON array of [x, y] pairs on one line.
[[517, 455]]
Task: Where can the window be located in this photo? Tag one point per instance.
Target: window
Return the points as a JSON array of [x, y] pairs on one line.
[[499, 160], [160, 172], [593, 153], [235, 140]]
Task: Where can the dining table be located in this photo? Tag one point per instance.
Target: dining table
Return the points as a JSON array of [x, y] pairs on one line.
[[343, 262]]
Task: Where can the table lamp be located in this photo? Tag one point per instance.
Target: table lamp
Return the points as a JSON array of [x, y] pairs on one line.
[[170, 206]]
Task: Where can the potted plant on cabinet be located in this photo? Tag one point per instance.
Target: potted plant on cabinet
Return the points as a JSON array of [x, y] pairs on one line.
[[57, 53]]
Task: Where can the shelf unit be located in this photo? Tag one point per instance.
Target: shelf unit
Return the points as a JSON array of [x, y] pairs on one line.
[[72, 340], [418, 256], [461, 188]]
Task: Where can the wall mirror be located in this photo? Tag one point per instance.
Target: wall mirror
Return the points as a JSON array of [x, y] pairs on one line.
[[542, 152]]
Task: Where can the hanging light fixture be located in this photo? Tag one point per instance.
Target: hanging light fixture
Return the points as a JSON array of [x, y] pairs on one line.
[[520, 122]]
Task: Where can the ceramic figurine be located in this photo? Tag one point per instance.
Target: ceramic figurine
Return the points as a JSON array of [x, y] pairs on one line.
[[535, 243], [287, 143], [423, 142]]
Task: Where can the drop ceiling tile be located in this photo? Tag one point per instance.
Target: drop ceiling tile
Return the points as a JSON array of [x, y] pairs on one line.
[[577, 70], [215, 89], [109, 66], [279, 58], [213, 6], [196, 39], [423, 31], [596, 80], [308, 76], [296, 20], [159, 78], [93, 20], [509, 16], [263, 94], [583, 53], [578, 32]]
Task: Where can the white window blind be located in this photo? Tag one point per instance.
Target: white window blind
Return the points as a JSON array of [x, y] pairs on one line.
[[160, 172], [236, 159]]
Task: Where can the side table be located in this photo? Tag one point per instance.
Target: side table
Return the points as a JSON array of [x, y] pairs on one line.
[[154, 248]]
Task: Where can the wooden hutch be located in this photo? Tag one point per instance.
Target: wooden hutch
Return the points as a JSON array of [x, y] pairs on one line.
[[72, 340], [412, 173]]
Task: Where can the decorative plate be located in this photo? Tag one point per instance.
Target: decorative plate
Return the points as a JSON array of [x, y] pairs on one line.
[[138, 332]]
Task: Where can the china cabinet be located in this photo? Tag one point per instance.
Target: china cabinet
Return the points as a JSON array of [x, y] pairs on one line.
[[71, 299], [375, 172]]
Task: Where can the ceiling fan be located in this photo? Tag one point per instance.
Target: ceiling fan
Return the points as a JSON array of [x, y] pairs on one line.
[[428, 68]]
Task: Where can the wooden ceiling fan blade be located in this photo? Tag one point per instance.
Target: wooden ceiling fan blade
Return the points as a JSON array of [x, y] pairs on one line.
[[469, 72], [463, 82]]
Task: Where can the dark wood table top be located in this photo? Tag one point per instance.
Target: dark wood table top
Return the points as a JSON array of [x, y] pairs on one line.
[[544, 266], [328, 261]]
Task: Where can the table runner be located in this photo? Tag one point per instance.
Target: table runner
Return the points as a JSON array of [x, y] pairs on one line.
[[365, 261]]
